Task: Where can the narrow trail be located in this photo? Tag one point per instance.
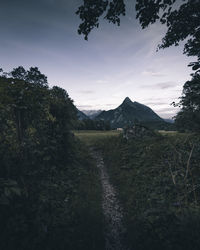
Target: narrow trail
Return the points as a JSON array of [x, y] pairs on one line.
[[114, 229]]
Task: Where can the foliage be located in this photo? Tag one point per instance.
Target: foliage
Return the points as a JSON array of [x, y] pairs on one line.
[[88, 124], [162, 125], [188, 118], [158, 184], [33, 75], [91, 10], [180, 17], [46, 199]]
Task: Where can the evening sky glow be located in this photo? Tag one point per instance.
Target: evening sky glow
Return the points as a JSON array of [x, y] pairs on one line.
[[114, 63]]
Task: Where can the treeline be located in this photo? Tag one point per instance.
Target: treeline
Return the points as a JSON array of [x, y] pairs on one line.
[[46, 200], [88, 124], [158, 125]]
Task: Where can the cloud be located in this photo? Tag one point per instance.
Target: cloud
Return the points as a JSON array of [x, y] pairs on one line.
[[155, 103], [152, 73], [162, 85], [84, 106], [168, 112], [101, 81], [155, 99], [165, 85], [167, 115], [86, 92], [112, 105]]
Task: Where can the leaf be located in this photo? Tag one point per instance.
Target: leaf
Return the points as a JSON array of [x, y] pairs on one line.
[[195, 67]]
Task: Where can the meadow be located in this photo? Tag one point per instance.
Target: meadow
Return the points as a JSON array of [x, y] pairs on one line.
[[157, 182], [96, 137], [91, 137]]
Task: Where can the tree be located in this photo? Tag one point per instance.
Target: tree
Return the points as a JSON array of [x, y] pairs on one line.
[[19, 73], [25, 93], [182, 19], [189, 116], [45, 173], [36, 77], [62, 107], [33, 75]]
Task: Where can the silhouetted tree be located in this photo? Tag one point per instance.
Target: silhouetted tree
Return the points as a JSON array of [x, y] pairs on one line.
[[19, 73], [189, 116], [182, 19], [33, 75], [36, 77]]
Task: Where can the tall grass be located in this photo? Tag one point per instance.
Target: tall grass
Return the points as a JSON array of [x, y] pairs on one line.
[[158, 182]]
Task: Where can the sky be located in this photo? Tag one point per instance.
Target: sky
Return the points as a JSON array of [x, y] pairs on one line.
[[114, 63]]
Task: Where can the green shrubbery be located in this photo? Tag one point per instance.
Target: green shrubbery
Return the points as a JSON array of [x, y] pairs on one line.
[[158, 184], [46, 199], [89, 124]]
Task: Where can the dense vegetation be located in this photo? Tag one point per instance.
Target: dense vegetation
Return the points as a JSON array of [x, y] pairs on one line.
[[189, 116], [49, 188], [46, 199], [157, 179], [89, 124], [50, 195]]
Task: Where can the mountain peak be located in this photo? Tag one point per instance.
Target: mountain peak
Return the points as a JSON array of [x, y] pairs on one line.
[[127, 100], [128, 113]]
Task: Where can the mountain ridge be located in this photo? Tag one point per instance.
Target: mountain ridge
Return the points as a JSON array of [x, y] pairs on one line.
[[129, 112], [91, 113]]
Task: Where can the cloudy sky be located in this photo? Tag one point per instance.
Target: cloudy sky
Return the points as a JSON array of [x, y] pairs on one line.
[[98, 74]]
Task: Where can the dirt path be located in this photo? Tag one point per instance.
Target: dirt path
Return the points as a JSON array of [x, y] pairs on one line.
[[111, 209]]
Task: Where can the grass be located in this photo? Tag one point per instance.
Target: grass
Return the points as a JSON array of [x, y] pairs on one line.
[[96, 137], [157, 180], [91, 137], [164, 132]]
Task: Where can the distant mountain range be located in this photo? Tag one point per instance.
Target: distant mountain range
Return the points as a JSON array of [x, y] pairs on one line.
[[169, 120], [81, 116], [127, 113], [92, 113]]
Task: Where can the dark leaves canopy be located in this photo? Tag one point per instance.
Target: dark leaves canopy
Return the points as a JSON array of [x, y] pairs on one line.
[[181, 17]]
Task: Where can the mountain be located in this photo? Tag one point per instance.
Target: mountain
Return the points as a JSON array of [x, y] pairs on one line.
[[129, 113], [169, 120], [81, 116], [92, 113]]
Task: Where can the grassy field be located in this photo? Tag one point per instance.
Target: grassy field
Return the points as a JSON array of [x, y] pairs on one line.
[[164, 132], [157, 183], [91, 137], [94, 137]]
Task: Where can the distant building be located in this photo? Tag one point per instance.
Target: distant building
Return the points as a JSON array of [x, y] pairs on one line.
[[120, 129]]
